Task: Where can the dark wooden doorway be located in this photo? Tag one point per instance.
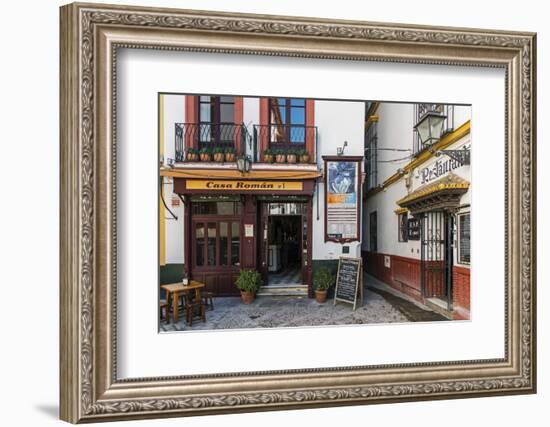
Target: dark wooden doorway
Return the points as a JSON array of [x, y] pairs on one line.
[[285, 223], [437, 256]]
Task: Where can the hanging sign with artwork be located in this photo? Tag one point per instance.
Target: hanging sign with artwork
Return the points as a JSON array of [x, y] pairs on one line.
[[342, 198]]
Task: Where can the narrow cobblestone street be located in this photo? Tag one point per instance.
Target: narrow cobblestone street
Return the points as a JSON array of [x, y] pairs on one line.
[[379, 306]]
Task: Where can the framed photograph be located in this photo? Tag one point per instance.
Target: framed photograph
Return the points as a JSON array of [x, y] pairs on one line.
[[217, 167]]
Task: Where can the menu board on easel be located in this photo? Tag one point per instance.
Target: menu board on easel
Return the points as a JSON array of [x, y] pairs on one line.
[[349, 281]]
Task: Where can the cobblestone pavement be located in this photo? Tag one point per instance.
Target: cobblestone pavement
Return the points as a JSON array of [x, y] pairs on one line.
[[272, 312]]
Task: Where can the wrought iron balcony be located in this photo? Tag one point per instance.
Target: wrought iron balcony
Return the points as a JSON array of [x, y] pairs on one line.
[[211, 136], [448, 123], [285, 138]]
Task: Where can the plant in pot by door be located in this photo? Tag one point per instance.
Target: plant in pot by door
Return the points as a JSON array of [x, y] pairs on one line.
[[230, 154], [280, 156], [268, 156], [291, 156], [192, 155], [249, 281], [205, 154], [323, 279], [303, 156], [219, 154]]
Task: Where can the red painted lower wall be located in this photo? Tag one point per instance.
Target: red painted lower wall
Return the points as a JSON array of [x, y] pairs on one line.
[[461, 292], [403, 275]]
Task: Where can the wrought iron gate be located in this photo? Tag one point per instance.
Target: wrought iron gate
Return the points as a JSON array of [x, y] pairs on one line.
[[437, 256]]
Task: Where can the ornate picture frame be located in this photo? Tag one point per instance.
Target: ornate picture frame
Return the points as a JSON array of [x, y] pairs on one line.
[[90, 37]]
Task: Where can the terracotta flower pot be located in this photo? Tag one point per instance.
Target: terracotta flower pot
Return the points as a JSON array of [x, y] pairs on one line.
[[229, 157], [280, 158], [268, 158], [247, 297], [219, 157], [291, 158], [205, 157], [304, 158], [320, 296], [192, 157]]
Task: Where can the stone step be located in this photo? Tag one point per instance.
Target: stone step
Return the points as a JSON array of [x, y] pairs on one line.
[[283, 290], [439, 306]]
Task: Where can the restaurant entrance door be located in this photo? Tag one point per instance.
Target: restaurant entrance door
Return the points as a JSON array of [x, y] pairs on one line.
[[285, 245]]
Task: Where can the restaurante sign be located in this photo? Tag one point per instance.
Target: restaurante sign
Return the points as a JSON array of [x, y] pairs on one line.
[[438, 169], [201, 184]]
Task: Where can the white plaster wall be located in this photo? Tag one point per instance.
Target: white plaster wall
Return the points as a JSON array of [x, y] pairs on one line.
[[339, 121], [174, 228], [174, 112], [336, 121], [395, 131]]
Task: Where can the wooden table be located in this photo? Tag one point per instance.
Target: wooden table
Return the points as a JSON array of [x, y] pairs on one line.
[[174, 290]]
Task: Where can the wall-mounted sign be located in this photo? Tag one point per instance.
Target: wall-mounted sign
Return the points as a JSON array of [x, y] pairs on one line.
[[249, 230], [243, 185], [441, 167], [413, 229], [342, 198]]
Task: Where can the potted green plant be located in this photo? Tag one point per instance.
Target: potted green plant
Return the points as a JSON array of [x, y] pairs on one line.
[[303, 156], [230, 154], [268, 156], [248, 282], [323, 279], [191, 155], [280, 156], [291, 156], [205, 154], [219, 154]]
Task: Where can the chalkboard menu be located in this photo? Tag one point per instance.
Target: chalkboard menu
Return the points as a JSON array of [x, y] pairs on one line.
[[464, 238], [349, 281]]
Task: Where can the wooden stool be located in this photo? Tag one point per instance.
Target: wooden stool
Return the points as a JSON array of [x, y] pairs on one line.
[[164, 308], [194, 309], [207, 299]]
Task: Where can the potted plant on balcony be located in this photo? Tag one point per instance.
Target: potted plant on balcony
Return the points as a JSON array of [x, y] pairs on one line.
[[219, 154], [303, 156], [280, 156], [248, 282], [205, 154], [323, 279], [230, 154], [191, 155], [291, 156], [268, 155]]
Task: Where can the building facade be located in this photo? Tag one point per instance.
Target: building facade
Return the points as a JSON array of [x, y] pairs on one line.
[[242, 187], [417, 204]]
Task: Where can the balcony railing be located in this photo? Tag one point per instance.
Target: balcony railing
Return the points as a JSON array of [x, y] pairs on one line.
[[210, 135], [448, 123], [285, 138]]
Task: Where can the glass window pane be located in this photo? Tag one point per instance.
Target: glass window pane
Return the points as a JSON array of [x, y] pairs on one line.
[[298, 102], [298, 116], [205, 113], [205, 132], [224, 240], [205, 98], [199, 244], [297, 134], [230, 99], [235, 244], [227, 113], [211, 250], [278, 111]]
